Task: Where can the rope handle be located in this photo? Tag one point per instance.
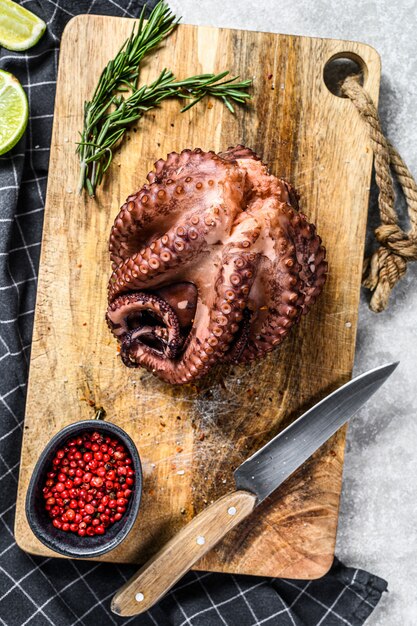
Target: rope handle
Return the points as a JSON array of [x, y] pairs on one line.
[[388, 264]]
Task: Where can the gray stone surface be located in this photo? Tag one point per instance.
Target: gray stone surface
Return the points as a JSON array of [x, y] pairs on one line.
[[377, 528]]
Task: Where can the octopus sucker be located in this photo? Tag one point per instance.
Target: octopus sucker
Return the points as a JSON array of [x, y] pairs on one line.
[[212, 263]]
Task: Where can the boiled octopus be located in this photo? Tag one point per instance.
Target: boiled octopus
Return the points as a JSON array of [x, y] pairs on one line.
[[212, 263]]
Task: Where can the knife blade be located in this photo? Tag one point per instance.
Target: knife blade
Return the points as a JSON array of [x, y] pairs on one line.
[[270, 466], [256, 478]]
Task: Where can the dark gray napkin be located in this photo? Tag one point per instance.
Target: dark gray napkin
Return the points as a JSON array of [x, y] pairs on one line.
[[39, 591]]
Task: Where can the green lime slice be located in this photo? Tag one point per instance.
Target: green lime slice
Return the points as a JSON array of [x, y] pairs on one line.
[[14, 111], [19, 28]]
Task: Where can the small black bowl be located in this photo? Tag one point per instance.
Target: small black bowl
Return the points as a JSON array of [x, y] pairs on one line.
[[71, 544]]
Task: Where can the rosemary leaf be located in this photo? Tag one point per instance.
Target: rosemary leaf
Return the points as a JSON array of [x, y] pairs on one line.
[[118, 101]]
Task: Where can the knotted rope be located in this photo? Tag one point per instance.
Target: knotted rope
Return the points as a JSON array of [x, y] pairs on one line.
[[388, 263]]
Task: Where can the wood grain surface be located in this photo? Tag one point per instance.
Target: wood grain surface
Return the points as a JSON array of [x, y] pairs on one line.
[[191, 438]]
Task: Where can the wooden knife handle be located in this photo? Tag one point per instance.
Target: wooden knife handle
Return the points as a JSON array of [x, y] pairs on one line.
[[164, 569]]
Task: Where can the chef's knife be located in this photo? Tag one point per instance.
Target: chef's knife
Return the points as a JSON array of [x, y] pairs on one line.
[[255, 479]]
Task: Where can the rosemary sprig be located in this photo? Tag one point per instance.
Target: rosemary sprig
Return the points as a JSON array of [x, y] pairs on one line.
[[109, 114]]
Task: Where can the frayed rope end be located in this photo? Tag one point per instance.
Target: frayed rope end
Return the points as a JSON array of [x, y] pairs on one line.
[[381, 272]]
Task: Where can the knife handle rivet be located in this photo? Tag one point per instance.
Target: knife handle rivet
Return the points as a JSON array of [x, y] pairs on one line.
[[139, 597], [231, 510], [201, 540]]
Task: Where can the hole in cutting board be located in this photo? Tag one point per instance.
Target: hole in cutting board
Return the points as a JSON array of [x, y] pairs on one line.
[[341, 65]]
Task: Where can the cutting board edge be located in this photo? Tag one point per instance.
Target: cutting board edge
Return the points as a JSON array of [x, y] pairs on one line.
[[314, 569], [350, 42], [350, 46]]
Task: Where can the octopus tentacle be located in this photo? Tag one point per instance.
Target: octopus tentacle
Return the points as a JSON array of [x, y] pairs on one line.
[[212, 262], [163, 256], [311, 256], [219, 322], [192, 160], [233, 153], [293, 284], [140, 218], [139, 318], [178, 184]]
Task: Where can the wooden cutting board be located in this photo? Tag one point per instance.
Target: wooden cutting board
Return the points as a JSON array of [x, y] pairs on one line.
[[191, 438]]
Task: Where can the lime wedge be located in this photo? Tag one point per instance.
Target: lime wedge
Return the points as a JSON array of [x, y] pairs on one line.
[[19, 28], [14, 111]]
